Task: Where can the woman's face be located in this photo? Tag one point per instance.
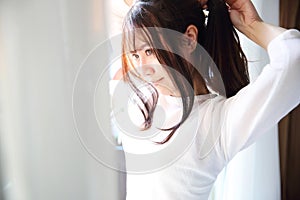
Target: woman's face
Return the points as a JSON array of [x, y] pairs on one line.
[[149, 68]]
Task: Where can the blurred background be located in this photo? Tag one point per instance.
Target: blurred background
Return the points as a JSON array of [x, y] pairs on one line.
[[42, 45]]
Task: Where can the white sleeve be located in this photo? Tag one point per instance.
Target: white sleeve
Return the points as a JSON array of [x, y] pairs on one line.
[[260, 105]]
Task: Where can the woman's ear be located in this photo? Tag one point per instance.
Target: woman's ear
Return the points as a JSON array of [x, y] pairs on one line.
[[192, 36]]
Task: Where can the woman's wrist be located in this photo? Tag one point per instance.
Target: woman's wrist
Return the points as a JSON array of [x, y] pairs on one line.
[[262, 33], [246, 19]]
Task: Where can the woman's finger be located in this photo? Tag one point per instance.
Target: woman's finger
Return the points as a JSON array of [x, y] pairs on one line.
[[203, 3], [236, 3]]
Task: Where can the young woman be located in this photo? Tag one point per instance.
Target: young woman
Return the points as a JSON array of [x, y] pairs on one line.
[[212, 121]]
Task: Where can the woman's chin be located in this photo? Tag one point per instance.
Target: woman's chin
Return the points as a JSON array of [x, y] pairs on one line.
[[167, 91]]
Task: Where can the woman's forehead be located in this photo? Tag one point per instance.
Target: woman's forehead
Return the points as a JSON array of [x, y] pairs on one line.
[[137, 40], [141, 43]]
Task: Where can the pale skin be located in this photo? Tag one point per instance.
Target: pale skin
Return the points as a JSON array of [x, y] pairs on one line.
[[151, 70], [246, 19], [243, 16]]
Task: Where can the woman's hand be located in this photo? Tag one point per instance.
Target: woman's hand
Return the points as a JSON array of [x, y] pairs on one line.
[[203, 3], [246, 19], [242, 14]]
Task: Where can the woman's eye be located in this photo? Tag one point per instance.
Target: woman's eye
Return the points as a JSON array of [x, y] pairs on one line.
[[135, 56], [148, 52]]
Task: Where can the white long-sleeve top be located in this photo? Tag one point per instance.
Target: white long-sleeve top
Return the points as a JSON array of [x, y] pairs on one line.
[[216, 130]]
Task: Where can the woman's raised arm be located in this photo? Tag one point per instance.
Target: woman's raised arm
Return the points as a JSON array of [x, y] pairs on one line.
[[246, 19]]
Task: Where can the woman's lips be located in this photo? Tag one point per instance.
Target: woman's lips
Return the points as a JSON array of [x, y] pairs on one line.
[[157, 81]]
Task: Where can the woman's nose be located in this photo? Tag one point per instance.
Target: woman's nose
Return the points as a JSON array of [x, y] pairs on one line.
[[147, 68]]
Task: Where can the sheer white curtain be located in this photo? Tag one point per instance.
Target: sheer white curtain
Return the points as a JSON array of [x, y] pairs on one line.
[[254, 173], [42, 44]]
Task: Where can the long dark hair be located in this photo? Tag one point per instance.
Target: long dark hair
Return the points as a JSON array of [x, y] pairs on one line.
[[217, 36]]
